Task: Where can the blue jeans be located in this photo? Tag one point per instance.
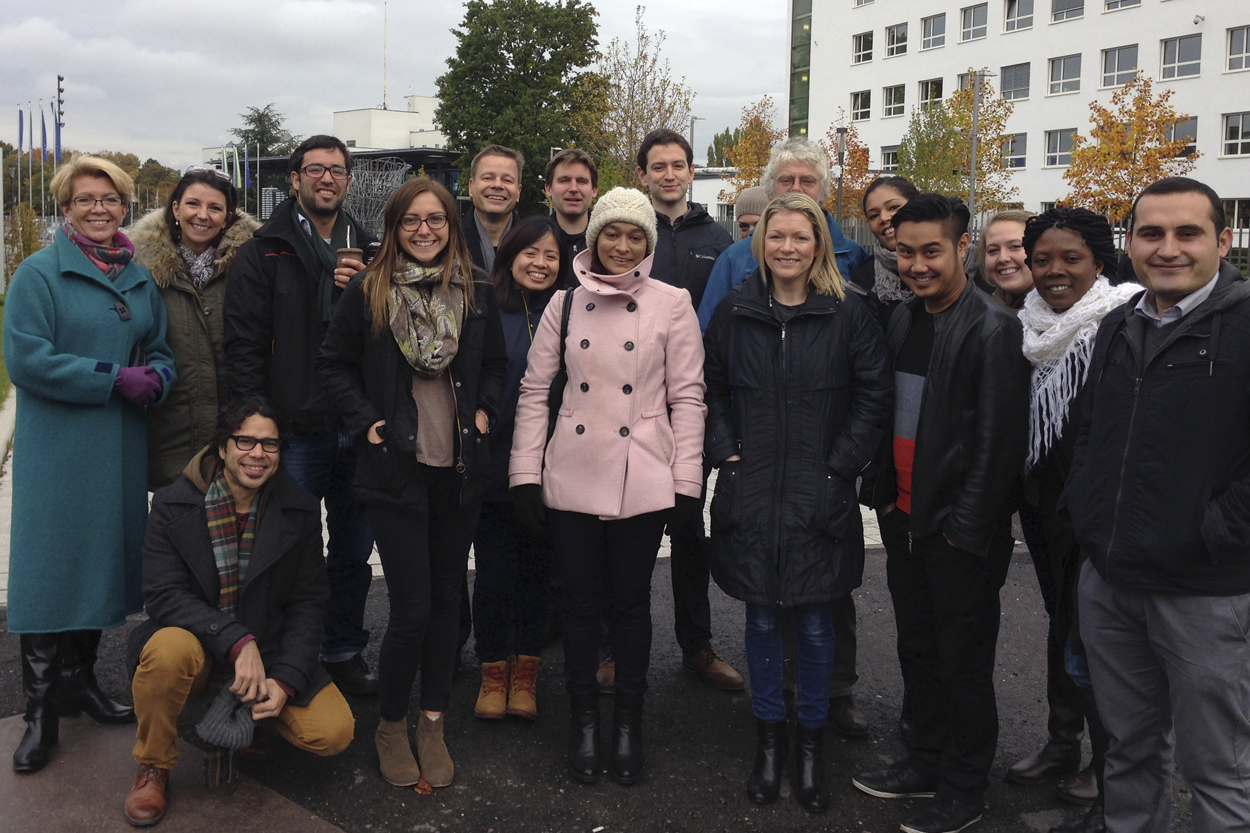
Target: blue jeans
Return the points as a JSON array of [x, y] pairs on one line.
[[1077, 666], [324, 464], [813, 631]]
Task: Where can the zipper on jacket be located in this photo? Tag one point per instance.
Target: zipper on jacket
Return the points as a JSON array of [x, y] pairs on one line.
[[459, 431], [780, 477]]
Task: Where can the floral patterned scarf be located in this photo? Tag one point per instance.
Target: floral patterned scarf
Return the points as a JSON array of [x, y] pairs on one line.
[[425, 320]]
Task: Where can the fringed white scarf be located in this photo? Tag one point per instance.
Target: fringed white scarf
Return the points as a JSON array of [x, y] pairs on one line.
[[1059, 346]]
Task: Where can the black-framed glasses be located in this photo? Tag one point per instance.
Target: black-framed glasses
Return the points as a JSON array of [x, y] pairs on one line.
[[270, 445], [318, 171], [83, 201], [411, 222]]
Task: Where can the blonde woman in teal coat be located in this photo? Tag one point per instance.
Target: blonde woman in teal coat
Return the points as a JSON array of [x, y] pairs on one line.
[[84, 343]]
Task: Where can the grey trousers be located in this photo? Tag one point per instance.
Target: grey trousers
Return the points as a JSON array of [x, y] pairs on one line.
[[1172, 679]]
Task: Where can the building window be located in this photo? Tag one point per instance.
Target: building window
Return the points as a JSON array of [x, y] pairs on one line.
[[894, 99], [1061, 10], [896, 40], [1015, 78], [1046, 206], [1237, 213], [1014, 149], [1065, 74], [800, 65], [1119, 65], [863, 2], [1116, 5], [964, 80], [930, 92], [1019, 15], [861, 48], [861, 105], [1186, 129], [889, 159], [934, 32], [1239, 49], [1182, 57], [972, 22], [1059, 147], [1236, 134]]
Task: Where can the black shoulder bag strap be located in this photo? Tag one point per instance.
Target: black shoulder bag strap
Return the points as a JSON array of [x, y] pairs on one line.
[[555, 395]]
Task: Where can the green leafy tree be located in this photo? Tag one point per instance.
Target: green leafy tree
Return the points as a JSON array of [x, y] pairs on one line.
[[265, 128], [21, 238], [721, 143], [517, 79], [929, 153]]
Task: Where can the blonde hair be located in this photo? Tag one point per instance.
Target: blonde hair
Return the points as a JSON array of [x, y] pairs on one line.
[[1011, 215], [824, 276], [62, 186]]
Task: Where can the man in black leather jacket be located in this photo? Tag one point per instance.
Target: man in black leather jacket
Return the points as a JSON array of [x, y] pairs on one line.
[[958, 443]]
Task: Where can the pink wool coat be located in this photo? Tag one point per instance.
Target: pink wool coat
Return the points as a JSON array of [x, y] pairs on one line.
[[633, 352]]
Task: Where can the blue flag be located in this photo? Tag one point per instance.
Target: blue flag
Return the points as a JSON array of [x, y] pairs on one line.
[[43, 135], [247, 169], [56, 129], [21, 132]]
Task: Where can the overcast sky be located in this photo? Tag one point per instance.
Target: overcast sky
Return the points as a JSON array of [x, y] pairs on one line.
[[162, 79]]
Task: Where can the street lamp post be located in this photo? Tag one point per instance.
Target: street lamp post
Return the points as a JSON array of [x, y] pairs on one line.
[[690, 190], [842, 132]]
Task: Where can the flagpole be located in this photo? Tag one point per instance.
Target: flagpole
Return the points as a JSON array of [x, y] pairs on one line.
[[30, 157], [43, 158], [21, 138]]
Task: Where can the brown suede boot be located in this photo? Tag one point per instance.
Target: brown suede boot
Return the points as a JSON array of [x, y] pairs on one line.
[[435, 759], [399, 767], [521, 699], [492, 698]]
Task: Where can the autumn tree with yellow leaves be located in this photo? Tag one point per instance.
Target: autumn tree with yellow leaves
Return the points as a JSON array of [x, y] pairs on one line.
[[856, 175], [755, 144], [1127, 149]]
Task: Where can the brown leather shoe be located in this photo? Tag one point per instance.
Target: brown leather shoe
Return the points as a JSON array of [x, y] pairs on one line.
[[1081, 788], [522, 701], [145, 803], [1055, 758], [708, 664], [606, 675]]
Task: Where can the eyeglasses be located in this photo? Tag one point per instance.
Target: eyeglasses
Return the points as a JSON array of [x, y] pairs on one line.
[[318, 171], [83, 201], [200, 169], [412, 222], [787, 181], [270, 445]]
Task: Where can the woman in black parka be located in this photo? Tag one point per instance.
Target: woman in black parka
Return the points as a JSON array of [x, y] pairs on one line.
[[414, 361], [798, 393]]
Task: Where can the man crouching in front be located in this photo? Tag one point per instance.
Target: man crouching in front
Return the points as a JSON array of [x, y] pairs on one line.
[[233, 577]]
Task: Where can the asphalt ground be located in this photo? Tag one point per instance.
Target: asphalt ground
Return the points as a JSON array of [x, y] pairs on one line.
[[511, 774]]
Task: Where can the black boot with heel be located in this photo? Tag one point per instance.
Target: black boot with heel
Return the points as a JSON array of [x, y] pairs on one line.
[[40, 673], [78, 692], [627, 737], [584, 737], [770, 758]]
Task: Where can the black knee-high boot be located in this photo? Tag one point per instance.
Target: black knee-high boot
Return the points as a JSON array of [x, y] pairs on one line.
[[1099, 740], [809, 776], [40, 672], [78, 691]]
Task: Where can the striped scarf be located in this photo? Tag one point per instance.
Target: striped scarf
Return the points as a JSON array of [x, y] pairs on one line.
[[231, 551], [111, 259]]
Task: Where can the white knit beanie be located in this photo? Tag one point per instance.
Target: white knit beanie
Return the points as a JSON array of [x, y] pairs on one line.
[[622, 205]]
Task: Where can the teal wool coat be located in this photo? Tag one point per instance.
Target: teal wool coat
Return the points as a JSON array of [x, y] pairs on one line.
[[80, 449]]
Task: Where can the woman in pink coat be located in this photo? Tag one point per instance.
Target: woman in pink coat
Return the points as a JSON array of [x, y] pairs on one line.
[[625, 458]]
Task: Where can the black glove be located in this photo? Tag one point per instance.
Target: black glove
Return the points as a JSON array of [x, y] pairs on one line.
[[686, 516], [527, 505]]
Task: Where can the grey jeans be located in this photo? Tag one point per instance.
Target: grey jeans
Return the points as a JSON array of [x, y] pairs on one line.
[[1172, 679]]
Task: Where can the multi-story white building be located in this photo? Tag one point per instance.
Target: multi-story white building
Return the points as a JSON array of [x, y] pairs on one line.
[[872, 61]]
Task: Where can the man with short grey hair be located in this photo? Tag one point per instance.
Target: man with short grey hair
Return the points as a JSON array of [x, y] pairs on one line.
[[494, 188]]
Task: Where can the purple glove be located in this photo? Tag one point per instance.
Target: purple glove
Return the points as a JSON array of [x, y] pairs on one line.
[[140, 385]]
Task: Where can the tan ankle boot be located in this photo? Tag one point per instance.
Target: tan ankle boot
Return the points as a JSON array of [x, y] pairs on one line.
[[492, 698], [395, 758], [521, 699], [435, 759]]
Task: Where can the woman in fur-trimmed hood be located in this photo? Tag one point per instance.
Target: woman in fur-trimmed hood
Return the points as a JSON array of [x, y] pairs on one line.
[[188, 246]]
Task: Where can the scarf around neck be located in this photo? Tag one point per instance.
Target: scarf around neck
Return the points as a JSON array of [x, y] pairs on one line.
[[887, 285], [425, 320], [1059, 345], [232, 552], [200, 267], [323, 256], [110, 259]]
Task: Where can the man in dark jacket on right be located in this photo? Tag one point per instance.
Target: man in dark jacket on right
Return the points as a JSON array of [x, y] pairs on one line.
[[1159, 496], [961, 417]]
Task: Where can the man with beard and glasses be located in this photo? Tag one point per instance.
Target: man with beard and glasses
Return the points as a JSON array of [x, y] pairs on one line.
[[282, 289]]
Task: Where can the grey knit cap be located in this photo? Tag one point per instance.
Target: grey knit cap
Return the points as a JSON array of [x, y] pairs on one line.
[[228, 722], [622, 205], [751, 200]]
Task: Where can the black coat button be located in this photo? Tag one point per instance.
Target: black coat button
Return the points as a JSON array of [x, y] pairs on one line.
[[628, 388], [624, 432], [581, 429], [585, 343], [590, 306], [629, 345], [631, 306], [585, 387]]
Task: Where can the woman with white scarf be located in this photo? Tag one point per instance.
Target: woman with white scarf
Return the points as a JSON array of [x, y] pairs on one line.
[[1070, 252]]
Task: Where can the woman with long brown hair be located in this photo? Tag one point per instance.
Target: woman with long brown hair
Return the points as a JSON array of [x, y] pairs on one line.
[[414, 360]]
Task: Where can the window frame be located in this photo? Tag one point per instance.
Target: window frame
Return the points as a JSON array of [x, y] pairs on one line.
[[1069, 13], [1192, 136], [1004, 89], [1058, 152], [888, 151], [1064, 79], [926, 39], [1118, 72], [887, 104], [1244, 54], [969, 33], [1178, 64], [926, 85], [865, 113], [1243, 140], [1012, 24], [1120, 5], [1012, 140], [856, 58], [899, 47]]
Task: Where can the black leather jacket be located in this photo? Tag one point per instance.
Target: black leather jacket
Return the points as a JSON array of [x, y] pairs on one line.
[[972, 438]]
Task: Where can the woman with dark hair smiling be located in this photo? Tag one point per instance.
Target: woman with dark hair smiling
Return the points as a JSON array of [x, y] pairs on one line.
[[188, 246], [513, 564], [414, 361], [1071, 253], [878, 276]]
